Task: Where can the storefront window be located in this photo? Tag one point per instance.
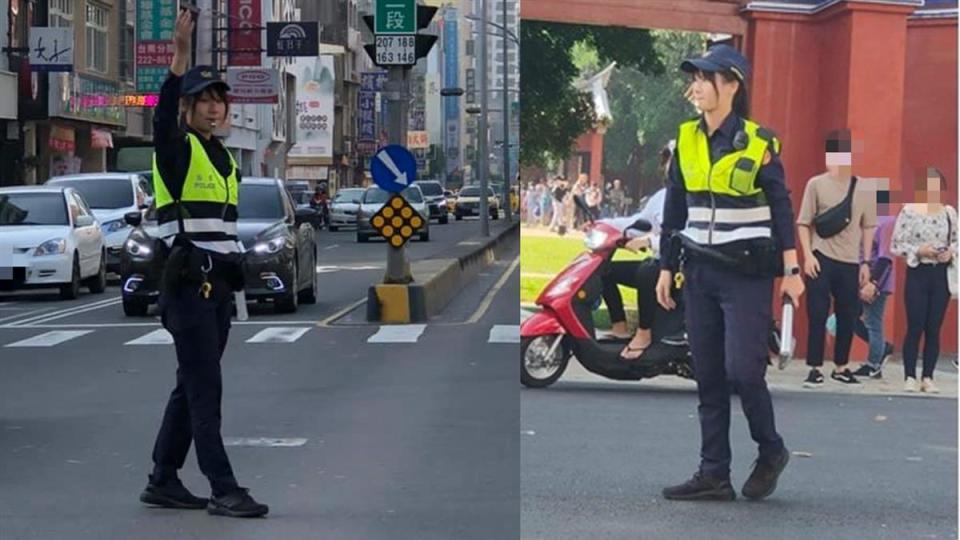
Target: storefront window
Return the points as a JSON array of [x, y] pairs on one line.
[[61, 13], [97, 25]]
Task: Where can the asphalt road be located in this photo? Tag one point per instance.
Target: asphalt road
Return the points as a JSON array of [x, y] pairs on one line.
[[346, 432], [594, 458]]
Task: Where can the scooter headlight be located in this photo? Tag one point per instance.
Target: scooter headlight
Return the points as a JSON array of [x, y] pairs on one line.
[[595, 239]]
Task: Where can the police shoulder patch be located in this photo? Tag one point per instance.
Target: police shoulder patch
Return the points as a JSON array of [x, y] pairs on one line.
[[771, 138]]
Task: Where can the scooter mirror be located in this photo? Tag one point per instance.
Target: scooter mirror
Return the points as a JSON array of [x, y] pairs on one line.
[[641, 225]]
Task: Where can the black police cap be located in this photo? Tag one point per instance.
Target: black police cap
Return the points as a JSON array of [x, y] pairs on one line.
[[721, 57], [199, 78]]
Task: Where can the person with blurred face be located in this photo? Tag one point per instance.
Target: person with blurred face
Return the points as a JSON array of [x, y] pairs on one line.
[[925, 235], [831, 260]]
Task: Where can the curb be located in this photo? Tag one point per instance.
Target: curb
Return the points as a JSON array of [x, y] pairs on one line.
[[417, 302]]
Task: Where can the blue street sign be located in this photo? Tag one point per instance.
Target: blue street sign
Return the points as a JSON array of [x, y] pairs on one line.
[[393, 168]]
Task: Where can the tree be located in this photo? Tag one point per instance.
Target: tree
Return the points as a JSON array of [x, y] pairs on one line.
[[554, 113]]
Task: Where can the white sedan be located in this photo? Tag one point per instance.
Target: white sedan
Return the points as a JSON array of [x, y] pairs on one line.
[[49, 237], [344, 208]]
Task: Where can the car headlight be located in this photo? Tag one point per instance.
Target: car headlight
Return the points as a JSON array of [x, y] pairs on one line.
[[113, 226], [595, 239], [137, 249], [51, 247], [270, 246]]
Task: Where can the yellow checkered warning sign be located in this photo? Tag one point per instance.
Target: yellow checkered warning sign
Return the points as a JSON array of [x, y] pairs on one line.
[[397, 221]]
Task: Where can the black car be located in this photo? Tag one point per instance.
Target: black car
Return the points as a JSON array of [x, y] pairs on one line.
[[280, 263], [436, 200]]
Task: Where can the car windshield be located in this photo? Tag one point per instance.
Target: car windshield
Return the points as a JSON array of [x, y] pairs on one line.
[[32, 209], [102, 193], [301, 196], [413, 195], [348, 195], [430, 189], [258, 201], [474, 191], [375, 196]]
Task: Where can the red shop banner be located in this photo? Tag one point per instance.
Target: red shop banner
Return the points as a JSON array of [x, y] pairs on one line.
[[244, 34]]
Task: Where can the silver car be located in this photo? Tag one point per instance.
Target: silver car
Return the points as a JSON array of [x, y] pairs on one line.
[[344, 207], [374, 198]]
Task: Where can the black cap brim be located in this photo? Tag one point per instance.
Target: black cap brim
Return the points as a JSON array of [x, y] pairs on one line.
[[700, 64], [197, 88]]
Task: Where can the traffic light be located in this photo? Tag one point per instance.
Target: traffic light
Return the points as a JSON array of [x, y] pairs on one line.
[[423, 42]]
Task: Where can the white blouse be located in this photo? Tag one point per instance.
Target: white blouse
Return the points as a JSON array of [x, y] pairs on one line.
[[914, 230]]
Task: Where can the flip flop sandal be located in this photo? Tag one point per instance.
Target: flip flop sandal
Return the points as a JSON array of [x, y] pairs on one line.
[[629, 350]]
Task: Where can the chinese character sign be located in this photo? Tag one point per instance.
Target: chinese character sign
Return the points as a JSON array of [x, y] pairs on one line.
[[366, 121], [315, 86], [154, 48], [395, 17]]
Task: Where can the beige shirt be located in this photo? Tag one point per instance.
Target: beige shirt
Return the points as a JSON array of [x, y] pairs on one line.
[[822, 193]]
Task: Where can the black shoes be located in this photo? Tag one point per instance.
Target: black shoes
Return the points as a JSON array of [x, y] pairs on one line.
[[701, 488], [763, 479], [237, 503], [814, 379], [171, 494], [844, 377], [868, 371]]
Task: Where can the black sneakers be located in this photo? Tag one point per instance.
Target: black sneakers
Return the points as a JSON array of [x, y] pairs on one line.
[[237, 503], [866, 370], [171, 494], [814, 379], [763, 479], [701, 488], [844, 377]]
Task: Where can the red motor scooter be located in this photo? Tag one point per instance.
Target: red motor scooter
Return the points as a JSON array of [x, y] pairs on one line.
[[564, 325]]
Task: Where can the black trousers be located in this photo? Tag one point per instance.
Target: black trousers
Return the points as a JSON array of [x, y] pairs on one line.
[[927, 297], [200, 328], [728, 325], [641, 275], [841, 281]]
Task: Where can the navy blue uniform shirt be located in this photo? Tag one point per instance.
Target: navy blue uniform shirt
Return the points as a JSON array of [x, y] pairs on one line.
[[770, 179]]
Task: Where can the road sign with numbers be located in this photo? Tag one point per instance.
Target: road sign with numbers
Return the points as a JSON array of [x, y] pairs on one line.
[[396, 50]]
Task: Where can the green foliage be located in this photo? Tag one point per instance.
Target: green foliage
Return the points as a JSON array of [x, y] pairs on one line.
[[554, 113]]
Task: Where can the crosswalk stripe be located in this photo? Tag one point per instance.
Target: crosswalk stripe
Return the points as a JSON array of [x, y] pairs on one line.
[[49, 339], [400, 333], [504, 333], [157, 337], [279, 334]]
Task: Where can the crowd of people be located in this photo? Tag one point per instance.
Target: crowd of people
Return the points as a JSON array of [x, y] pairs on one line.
[[549, 202]]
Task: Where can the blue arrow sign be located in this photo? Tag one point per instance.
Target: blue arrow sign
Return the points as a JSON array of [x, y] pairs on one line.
[[393, 168]]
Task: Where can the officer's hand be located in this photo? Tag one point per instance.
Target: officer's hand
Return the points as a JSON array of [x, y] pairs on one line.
[[811, 267], [183, 32], [664, 283], [793, 287]]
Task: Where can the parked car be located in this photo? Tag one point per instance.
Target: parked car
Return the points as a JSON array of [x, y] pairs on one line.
[[344, 207], [54, 238], [374, 198], [436, 201], [280, 263], [468, 203], [111, 196]]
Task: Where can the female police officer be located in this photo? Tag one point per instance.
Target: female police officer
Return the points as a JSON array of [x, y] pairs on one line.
[[728, 206], [195, 180]]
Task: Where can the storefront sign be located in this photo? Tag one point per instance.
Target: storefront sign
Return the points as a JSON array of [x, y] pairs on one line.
[[244, 34], [293, 38], [154, 47], [81, 98], [315, 84], [253, 85], [62, 139], [51, 49]]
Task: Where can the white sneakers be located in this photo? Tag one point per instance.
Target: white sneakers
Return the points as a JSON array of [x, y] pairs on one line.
[[926, 385]]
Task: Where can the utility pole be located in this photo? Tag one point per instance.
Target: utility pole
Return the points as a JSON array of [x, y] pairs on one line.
[[484, 160], [505, 113], [397, 93]]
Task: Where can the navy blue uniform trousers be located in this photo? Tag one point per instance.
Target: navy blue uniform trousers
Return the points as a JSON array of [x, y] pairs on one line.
[[200, 328], [729, 321]]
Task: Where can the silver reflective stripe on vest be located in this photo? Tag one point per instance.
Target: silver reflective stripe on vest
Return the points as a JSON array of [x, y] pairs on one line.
[[170, 228], [702, 236], [730, 215], [221, 246], [208, 225]]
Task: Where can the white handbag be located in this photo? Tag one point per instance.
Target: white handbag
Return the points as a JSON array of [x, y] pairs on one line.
[[952, 268]]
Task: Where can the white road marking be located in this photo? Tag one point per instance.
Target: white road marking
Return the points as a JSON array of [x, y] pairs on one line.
[[68, 312], [504, 333], [264, 442], [49, 339], [331, 247], [469, 243], [488, 299], [157, 337], [278, 334], [400, 333], [329, 269]]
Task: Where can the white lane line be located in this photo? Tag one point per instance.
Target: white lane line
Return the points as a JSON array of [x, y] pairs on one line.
[[157, 337], [264, 442], [399, 333], [68, 312], [329, 269], [27, 314], [504, 333], [279, 334], [331, 247], [488, 299], [49, 339]]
